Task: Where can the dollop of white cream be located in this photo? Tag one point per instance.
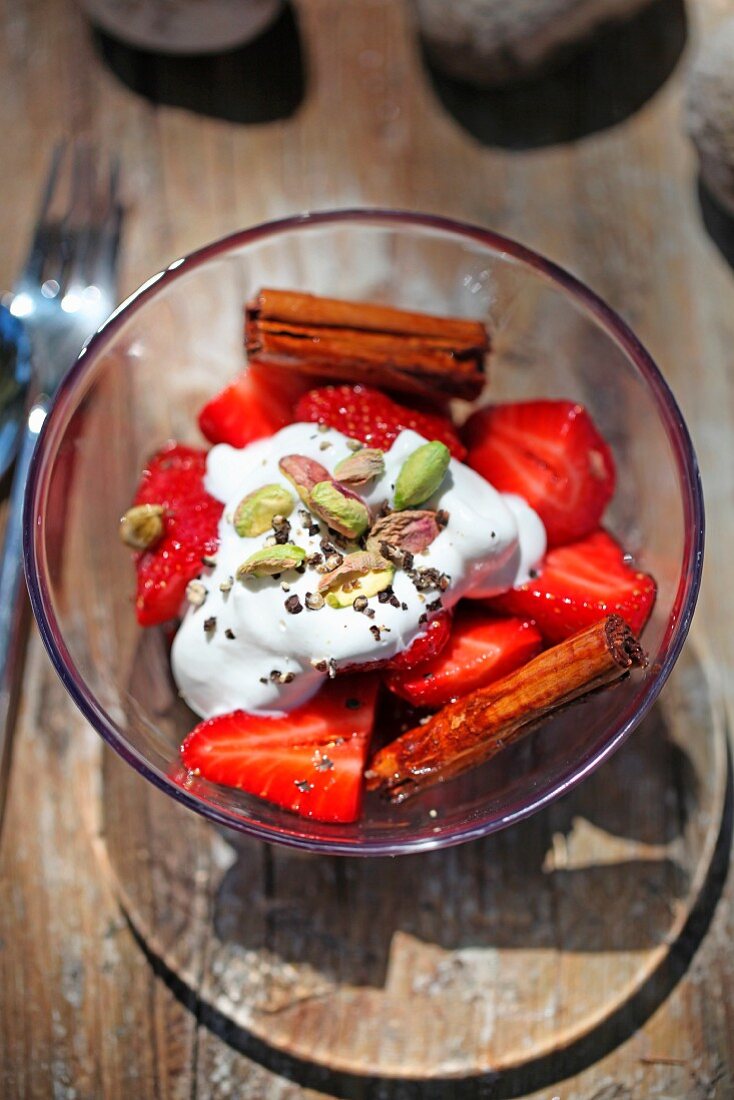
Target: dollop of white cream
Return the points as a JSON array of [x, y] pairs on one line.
[[490, 543]]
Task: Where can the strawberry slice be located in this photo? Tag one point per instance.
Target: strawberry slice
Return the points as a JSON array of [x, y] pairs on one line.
[[550, 453], [426, 646], [174, 478], [423, 647], [368, 415], [309, 761], [579, 584], [256, 404], [482, 648]]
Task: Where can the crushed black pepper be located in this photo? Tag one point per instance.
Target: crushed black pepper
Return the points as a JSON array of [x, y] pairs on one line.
[[375, 632], [293, 605], [442, 517], [229, 633], [210, 624], [435, 605], [313, 529], [426, 578], [278, 677], [303, 785]]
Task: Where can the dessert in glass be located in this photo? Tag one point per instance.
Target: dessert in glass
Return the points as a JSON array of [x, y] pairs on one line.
[[441, 495]]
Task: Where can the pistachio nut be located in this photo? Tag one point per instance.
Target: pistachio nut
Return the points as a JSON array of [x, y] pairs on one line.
[[362, 574], [421, 474], [303, 473], [143, 526], [360, 467], [255, 513], [270, 560], [409, 530], [339, 509]]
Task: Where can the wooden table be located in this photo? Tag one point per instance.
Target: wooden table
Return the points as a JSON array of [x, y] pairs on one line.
[[84, 1012]]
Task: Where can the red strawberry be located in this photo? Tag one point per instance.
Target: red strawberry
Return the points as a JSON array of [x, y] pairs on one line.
[[421, 649], [427, 645], [309, 761], [482, 648], [256, 404], [551, 453], [579, 584], [368, 415], [174, 479]]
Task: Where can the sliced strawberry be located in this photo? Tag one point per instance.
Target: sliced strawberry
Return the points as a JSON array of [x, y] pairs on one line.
[[309, 761], [174, 478], [256, 404], [421, 649], [368, 415], [427, 645], [579, 584], [550, 453], [482, 648]]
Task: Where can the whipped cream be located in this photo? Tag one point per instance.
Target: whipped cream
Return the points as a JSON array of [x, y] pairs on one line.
[[490, 544]]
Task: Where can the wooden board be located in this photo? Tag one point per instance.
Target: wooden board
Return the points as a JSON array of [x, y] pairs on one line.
[[456, 963], [82, 1013]]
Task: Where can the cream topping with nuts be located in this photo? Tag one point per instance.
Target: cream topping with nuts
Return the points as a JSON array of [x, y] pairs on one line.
[[265, 638]]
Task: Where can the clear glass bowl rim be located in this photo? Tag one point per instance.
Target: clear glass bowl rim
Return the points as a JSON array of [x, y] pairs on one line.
[[608, 320]]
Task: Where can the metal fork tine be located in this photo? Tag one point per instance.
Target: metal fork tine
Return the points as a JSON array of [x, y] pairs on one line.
[[77, 230], [39, 247], [106, 239]]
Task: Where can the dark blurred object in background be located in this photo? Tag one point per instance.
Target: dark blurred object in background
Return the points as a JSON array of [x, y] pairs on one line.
[[718, 222], [262, 81], [183, 26], [710, 112], [490, 43], [607, 78]]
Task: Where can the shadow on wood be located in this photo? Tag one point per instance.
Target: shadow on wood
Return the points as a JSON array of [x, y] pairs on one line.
[[718, 222], [615, 74], [485, 969], [504, 891], [536, 1073], [262, 81]]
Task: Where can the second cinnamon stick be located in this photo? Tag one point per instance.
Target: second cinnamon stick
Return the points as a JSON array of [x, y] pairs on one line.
[[473, 729]]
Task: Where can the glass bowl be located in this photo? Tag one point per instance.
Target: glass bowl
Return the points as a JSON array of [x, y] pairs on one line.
[[180, 337]]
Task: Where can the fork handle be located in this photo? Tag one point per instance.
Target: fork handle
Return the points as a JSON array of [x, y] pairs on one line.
[[14, 605]]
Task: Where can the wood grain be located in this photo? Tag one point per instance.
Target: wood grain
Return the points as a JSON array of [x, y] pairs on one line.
[[83, 1012], [453, 964]]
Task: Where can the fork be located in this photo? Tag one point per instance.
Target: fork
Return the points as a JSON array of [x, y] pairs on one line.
[[64, 292]]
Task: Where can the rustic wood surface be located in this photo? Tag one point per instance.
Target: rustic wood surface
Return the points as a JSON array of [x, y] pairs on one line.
[[84, 1012]]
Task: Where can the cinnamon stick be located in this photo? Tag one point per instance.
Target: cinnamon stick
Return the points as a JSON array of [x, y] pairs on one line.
[[363, 342], [473, 729]]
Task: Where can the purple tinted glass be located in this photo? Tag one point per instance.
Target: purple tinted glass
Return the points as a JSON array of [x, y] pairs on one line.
[[178, 339]]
